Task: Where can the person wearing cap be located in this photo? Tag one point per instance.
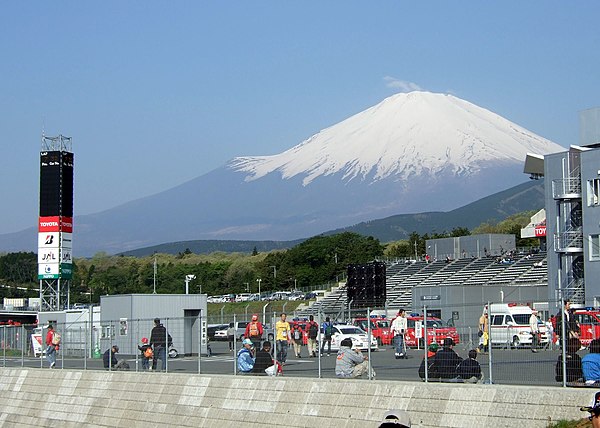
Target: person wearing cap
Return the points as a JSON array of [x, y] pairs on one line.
[[245, 357], [351, 363], [446, 360], [110, 359], [535, 330], [469, 369], [51, 348], [594, 410], [431, 352], [395, 419], [398, 329], [143, 348], [590, 363], [254, 331]]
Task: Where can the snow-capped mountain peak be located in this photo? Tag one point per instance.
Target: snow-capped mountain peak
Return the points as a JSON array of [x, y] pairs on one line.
[[407, 134]]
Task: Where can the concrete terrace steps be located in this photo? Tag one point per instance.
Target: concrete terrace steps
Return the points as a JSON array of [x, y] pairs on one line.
[[65, 398]]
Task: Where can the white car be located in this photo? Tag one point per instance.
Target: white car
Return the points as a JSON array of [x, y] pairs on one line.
[[358, 336]]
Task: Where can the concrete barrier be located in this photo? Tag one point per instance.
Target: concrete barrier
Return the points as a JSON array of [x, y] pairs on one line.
[[70, 398]]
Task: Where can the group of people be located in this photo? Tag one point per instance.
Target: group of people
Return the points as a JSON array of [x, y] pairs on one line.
[[446, 364], [151, 350]]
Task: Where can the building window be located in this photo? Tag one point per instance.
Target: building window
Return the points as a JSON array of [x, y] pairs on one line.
[[594, 192], [594, 247]]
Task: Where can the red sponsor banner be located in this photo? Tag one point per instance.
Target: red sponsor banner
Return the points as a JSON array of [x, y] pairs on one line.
[[540, 231], [55, 224], [49, 224]]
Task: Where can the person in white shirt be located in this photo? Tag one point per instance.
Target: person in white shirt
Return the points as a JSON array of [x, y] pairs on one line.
[[398, 329], [535, 330]]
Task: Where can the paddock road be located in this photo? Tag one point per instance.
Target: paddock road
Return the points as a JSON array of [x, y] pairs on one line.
[[510, 366]]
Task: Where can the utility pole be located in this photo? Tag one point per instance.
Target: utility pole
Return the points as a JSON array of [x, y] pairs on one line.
[[275, 276], [259, 280], [416, 257]]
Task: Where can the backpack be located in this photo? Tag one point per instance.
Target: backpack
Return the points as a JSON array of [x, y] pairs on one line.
[[56, 338], [313, 330], [328, 330], [297, 334], [254, 329], [148, 353]]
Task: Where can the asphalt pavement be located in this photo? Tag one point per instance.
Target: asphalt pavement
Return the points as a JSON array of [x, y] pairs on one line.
[[510, 366]]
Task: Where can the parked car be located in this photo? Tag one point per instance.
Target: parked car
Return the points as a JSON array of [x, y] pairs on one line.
[[437, 331], [243, 297], [589, 324], [358, 336], [212, 329], [380, 328]]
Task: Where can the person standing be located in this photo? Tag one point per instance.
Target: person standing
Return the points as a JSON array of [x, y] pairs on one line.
[[327, 334], [296, 336], [51, 347], [312, 330], [571, 326], [231, 336], [483, 332], [398, 329], [159, 340], [535, 330], [282, 329], [254, 331], [146, 353]]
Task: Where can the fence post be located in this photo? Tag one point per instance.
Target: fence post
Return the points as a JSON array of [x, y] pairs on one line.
[[85, 344], [110, 346], [563, 341], [320, 342], [62, 354], [234, 345], [167, 345], [425, 343], [23, 342], [369, 341], [200, 317], [490, 319]]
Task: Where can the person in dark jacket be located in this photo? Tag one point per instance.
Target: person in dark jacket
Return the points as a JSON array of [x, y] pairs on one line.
[[159, 340], [469, 369], [264, 359], [574, 370], [431, 352], [446, 360], [110, 359], [571, 325]]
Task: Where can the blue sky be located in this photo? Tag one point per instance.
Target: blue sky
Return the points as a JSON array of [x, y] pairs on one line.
[[157, 93]]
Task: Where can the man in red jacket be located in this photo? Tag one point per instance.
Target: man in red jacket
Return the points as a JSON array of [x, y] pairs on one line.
[[254, 332]]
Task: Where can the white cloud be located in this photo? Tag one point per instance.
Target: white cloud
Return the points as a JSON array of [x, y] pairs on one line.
[[402, 85]]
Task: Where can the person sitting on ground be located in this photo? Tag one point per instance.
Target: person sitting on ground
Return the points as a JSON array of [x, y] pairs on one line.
[[431, 374], [351, 363], [469, 369], [110, 359], [395, 419], [263, 359], [591, 363], [573, 362], [245, 359], [446, 360]]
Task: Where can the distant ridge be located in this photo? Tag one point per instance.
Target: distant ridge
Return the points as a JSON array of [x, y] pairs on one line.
[[494, 208]]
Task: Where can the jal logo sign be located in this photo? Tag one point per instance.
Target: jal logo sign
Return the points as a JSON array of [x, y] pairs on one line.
[[65, 256], [47, 256]]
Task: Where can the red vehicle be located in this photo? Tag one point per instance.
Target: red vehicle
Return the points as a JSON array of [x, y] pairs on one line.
[[380, 329], [589, 324], [437, 331]]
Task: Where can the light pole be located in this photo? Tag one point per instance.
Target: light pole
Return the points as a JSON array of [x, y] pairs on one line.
[[188, 278], [275, 276], [416, 257], [247, 287], [259, 280]]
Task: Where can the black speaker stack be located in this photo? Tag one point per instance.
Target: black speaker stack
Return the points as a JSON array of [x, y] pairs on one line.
[[365, 286]]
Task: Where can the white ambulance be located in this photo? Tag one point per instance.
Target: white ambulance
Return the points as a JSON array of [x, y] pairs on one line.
[[509, 325]]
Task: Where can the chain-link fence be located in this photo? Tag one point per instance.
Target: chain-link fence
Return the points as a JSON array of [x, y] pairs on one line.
[[488, 342]]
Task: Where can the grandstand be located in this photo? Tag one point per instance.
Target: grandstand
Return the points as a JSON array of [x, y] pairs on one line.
[[403, 277]]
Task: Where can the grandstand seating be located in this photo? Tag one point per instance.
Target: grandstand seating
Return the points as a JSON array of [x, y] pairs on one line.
[[402, 277]]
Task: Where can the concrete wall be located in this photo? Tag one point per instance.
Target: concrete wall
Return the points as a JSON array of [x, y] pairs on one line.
[[43, 397]]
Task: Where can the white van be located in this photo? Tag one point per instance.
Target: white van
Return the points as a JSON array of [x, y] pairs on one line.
[[509, 325]]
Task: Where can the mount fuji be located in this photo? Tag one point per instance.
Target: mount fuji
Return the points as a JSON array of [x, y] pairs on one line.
[[412, 152]]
